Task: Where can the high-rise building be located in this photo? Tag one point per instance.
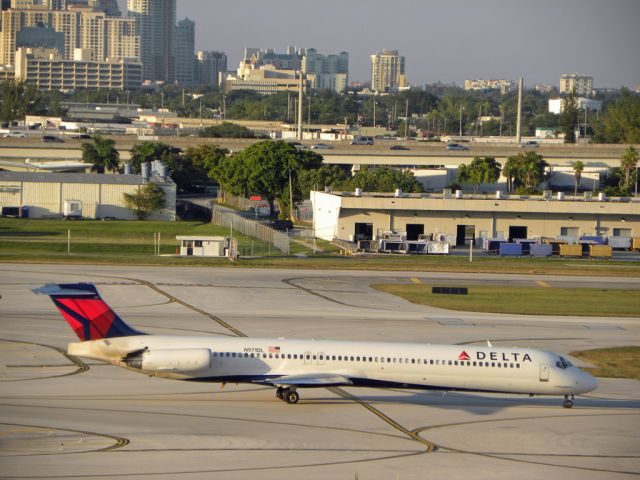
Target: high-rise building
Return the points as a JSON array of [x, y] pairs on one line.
[[110, 7], [331, 71], [123, 41], [185, 51], [576, 83], [211, 66], [387, 71], [156, 26]]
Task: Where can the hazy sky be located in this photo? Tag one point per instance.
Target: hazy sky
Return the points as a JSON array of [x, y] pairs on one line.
[[446, 40]]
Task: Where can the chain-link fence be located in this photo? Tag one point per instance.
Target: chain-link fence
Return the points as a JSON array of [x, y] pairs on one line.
[[251, 228]]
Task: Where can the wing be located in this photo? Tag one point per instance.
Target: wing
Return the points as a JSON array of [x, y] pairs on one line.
[[308, 380]]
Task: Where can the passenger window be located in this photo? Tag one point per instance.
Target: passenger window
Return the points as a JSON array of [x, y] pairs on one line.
[[388, 359], [321, 357], [233, 354], [357, 359], [370, 359], [252, 355], [517, 365], [339, 357], [511, 365], [271, 355], [474, 364], [215, 354], [333, 357], [455, 363], [431, 362], [450, 362], [493, 364], [246, 355], [308, 357], [352, 359], [413, 360]]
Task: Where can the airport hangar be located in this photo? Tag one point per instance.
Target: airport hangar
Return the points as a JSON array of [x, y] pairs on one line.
[[354, 216], [89, 195]]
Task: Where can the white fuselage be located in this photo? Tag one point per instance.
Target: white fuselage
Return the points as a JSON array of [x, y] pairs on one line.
[[376, 364]]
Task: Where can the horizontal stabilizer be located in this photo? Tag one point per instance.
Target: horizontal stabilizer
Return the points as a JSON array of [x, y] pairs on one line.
[[309, 380]]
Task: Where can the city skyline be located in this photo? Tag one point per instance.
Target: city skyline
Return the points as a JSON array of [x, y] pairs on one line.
[[447, 42]]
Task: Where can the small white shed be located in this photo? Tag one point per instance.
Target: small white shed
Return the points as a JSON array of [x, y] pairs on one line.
[[197, 246]]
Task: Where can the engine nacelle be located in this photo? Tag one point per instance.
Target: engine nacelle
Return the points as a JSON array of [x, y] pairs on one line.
[[174, 360]]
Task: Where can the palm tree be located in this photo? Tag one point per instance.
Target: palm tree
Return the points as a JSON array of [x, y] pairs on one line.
[[101, 154], [628, 163], [578, 168]]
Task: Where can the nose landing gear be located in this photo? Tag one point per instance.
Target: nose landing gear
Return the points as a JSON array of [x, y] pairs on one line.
[[568, 401], [288, 395]]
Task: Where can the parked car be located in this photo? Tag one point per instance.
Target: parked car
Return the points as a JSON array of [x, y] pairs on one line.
[[283, 225], [52, 139], [456, 146], [14, 135], [530, 144], [321, 146], [81, 136], [398, 147]]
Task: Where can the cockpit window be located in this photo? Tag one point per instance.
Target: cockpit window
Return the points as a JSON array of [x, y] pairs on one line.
[[562, 363]]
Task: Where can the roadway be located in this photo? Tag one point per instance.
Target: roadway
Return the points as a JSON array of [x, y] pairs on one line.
[[62, 417], [419, 153]]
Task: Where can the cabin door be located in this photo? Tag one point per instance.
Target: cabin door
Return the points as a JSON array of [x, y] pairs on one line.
[[544, 372]]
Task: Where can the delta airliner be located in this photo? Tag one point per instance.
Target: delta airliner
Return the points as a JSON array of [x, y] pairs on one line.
[[289, 365]]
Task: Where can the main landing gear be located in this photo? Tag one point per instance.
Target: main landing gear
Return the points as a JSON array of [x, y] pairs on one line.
[[568, 401], [288, 395]]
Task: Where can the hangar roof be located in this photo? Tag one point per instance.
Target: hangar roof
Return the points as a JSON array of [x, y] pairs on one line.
[[92, 178]]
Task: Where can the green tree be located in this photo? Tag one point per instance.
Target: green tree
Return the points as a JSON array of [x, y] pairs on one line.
[[628, 165], [149, 151], [385, 179], [578, 168], [621, 120], [227, 130], [148, 199], [334, 176], [525, 172], [20, 99], [480, 170], [267, 168], [101, 154], [569, 118]]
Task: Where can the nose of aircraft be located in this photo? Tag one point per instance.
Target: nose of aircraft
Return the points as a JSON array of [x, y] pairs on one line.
[[586, 382]]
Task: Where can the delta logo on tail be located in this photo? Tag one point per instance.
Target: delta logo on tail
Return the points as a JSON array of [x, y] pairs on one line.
[[464, 356], [83, 308]]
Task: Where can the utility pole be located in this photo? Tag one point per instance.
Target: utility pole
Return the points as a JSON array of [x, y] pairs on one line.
[[519, 119], [460, 131], [406, 121], [374, 112], [200, 112], [300, 107]]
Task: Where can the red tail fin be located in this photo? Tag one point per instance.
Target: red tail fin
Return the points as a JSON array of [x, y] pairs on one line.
[[87, 314]]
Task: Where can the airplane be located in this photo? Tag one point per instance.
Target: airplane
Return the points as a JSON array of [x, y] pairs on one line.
[[290, 364], [53, 166]]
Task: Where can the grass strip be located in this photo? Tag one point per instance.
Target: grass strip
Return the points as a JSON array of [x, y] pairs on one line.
[[618, 362], [526, 301]]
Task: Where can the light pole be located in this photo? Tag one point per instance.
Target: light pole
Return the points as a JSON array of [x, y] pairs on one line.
[[406, 121], [460, 134]]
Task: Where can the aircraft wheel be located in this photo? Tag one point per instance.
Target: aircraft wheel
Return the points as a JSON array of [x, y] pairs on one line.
[[280, 393], [291, 397], [567, 403]]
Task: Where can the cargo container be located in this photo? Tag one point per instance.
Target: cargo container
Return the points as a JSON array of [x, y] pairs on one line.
[[593, 239], [572, 250], [555, 245], [510, 250], [541, 250], [600, 251], [438, 248], [620, 243], [492, 245], [526, 245], [417, 246], [635, 244]]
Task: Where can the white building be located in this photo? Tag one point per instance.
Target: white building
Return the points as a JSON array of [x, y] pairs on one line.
[[555, 105], [98, 195], [198, 246], [505, 86]]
